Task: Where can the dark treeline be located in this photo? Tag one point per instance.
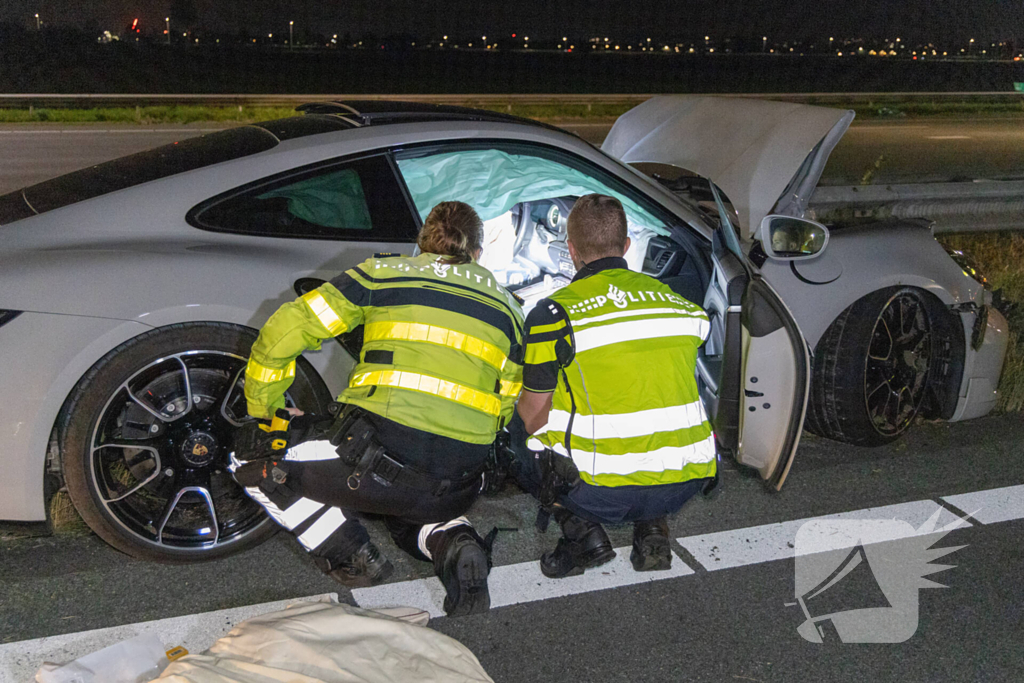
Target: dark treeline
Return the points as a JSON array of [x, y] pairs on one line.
[[58, 61]]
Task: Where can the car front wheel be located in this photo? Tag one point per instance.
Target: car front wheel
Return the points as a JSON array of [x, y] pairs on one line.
[[871, 368], [147, 441]]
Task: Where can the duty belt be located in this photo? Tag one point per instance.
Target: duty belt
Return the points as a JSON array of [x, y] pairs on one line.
[[358, 447]]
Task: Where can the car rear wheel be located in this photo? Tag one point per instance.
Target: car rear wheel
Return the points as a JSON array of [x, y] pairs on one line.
[[871, 368], [149, 430]]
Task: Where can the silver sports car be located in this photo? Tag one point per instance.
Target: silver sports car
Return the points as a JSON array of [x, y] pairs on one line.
[[130, 292]]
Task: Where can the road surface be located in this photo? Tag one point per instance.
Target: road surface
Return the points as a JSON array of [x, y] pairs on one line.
[[905, 151], [723, 613]]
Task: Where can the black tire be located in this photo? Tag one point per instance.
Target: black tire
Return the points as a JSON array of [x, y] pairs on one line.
[[855, 372], [147, 432]]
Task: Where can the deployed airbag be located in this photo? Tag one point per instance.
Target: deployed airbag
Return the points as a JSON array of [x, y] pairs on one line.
[[492, 182], [334, 200]]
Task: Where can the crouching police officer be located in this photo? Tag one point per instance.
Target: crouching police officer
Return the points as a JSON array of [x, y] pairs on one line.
[[610, 407], [438, 374]]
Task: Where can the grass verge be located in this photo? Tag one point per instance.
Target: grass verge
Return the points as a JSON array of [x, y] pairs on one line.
[[1000, 256], [554, 112], [146, 115]]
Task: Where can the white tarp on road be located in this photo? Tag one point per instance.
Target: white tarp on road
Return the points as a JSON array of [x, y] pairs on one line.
[[327, 643]]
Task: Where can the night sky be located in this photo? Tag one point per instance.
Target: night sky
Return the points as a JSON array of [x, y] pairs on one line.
[[921, 20]]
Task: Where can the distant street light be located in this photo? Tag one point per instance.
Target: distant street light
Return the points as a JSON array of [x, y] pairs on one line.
[[38, 23], [970, 47], [291, 35], [167, 21], [764, 43], [830, 39]]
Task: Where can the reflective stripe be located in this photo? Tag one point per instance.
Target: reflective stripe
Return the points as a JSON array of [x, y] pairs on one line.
[[541, 329], [596, 337], [540, 352], [297, 513], [632, 314], [510, 388], [324, 313], [427, 529], [322, 528], [309, 451], [668, 458], [627, 425], [261, 373], [433, 334], [413, 381], [267, 504]]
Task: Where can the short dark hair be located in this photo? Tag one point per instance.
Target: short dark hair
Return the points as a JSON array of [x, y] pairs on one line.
[[597, 227], [452, 229]]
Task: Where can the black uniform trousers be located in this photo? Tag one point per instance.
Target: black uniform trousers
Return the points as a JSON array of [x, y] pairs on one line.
[[320, 502], [600, 504]]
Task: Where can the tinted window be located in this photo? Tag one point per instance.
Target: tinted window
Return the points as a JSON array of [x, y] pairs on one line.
[[355, 200]]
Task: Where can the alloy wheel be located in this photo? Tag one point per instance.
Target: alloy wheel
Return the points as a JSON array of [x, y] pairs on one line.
[[159, 453], [896, 367]]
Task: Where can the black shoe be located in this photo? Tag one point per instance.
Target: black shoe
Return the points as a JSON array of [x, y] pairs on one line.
[[363, 568], [651, 550], [461, 562], [583, 545]]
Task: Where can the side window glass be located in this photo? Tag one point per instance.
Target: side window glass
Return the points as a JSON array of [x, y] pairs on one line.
[[356, 200], [524, 201]]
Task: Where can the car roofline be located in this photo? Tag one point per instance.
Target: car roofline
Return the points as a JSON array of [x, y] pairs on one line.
[[383, 112]]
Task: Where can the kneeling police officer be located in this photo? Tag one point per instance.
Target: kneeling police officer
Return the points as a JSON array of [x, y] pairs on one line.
[[438, 375], [612, 428]]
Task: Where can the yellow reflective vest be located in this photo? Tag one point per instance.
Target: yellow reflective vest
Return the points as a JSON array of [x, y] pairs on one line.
[[442, 345]]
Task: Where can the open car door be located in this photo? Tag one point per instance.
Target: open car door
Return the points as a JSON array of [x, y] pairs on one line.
[[767, 156], [754, 370]]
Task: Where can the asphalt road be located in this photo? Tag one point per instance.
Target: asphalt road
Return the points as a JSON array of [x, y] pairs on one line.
[[904, 151], [709, 625]]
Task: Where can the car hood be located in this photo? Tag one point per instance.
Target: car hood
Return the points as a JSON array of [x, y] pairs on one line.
[[766, 156]]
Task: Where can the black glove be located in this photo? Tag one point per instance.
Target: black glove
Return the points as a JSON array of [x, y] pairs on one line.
[[255, 441]]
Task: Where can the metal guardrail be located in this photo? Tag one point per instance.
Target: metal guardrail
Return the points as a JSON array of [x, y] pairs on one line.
[[24, 101], [955, 207]]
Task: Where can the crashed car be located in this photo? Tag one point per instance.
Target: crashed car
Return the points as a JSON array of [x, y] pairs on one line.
[[131, 292]]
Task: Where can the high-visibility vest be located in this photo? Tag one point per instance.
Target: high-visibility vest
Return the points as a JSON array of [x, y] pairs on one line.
[[639, 418], [442, 345]]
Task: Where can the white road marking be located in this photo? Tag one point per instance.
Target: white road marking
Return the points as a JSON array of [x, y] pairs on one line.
[[948, 137], [992, 506], [522, 582], [195, 632], [740, 547], [518, 583]]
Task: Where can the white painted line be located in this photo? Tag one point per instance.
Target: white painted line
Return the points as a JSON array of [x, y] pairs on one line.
[[994, 505], [518, 583], [753, 545], [196, 632], [948, 137]]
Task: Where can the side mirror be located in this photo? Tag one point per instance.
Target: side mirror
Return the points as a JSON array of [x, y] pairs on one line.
[[792, 239]]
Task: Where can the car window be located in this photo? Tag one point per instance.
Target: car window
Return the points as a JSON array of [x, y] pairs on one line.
[[524, 196], [355, 200]]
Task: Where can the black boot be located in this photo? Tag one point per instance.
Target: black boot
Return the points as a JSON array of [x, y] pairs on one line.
[[363, 568], [462, 563], [583, 545], [651, 551]]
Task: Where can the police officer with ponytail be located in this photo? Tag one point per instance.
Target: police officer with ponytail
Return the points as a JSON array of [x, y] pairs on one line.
[[611, 426], [437, 377]]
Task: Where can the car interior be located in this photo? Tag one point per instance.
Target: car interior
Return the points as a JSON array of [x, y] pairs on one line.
[[525, 201]]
